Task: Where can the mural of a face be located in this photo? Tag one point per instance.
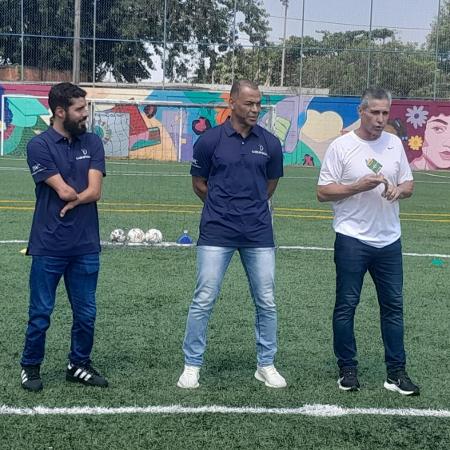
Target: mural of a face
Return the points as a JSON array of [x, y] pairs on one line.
[[436, 146]]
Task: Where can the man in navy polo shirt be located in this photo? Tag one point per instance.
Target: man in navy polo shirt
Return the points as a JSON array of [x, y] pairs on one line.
[[235, 170], [67, 165]]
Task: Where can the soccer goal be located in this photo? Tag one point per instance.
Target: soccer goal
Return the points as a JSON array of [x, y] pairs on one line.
[[148, 147], [21, 118], [158, 131]]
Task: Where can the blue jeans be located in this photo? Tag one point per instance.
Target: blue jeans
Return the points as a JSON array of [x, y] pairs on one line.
[[80, 278], [353, 259], [212, 263]]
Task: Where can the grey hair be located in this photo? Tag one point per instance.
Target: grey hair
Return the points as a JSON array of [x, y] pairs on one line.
[[375, 93]]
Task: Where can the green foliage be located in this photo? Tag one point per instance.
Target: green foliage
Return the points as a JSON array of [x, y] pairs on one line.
[[338, 62], [129, 33]]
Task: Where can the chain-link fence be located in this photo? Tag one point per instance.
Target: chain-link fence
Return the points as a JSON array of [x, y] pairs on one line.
[[294, 44]]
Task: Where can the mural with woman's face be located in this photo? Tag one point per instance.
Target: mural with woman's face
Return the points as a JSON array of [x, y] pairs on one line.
[[436, 145]]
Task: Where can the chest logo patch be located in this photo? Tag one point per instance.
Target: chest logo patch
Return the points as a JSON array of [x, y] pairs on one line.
[[374, 165], [260, 151], [85, 155]]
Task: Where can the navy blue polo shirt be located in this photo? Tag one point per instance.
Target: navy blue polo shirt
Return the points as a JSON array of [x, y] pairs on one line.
[[77, 233], [236, 211]]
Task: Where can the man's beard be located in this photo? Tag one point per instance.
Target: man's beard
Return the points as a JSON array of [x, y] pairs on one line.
[[74, 128]]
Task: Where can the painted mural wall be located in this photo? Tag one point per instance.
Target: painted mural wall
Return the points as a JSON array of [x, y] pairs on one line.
[[305, 125]]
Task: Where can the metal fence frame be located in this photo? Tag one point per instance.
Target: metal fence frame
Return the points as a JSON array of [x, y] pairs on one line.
[[76, 44]]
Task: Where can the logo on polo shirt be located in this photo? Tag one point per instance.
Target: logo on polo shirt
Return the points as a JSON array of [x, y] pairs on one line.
[[85, 155], [260, 151], [36, 168], [195, 164]]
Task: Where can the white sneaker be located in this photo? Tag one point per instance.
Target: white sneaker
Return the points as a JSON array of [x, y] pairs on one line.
[[270, 377], [189, 378]]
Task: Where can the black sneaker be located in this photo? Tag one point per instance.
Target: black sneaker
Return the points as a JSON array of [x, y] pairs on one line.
[[85, 375], [31, 378], [348, 379], [400, 382]]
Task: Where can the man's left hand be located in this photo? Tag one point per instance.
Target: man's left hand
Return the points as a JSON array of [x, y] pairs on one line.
[[391, 193], [68, 207]]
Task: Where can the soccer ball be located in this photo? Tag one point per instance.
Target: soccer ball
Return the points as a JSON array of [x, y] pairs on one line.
[[135, 236], [153, 236], [117, 235]]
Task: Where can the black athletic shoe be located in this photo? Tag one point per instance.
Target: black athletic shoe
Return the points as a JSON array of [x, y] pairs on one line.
[[85, 375], [31, 378], [348, 379], [400, 382]]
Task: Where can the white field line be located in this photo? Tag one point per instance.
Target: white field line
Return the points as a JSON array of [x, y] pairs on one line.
[[436, 175], [329, 249], [186, 174], [176, 245], [307, 410]]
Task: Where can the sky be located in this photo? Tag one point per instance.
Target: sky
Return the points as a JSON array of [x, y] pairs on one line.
[[411, 19]]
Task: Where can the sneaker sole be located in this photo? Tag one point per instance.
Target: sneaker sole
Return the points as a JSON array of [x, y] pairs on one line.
[[347, 389], [182, 386], [32, 389], [259, 377], [394, 388], [71, 379]]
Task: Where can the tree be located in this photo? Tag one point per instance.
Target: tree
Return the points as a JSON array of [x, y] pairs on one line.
[[129, 35], [339, 62], [440, 34]]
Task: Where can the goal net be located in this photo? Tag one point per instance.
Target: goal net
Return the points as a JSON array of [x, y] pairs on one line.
[[148, 148]]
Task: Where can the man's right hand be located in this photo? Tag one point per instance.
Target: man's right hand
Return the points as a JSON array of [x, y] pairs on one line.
[[334, 192], [369, 182], [65, 192]]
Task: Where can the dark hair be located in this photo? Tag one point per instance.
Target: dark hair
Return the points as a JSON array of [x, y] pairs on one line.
[[237, 85], [374, 93], [61, 94]]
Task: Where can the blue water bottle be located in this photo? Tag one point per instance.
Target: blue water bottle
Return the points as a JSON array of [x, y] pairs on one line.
[[184, 238]]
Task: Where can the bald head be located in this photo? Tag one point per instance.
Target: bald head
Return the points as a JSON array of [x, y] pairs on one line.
[[238, 85]]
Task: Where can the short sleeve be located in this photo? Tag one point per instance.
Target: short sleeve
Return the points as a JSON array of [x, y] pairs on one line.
[[331, 169], [98, 155], [405, 173], [202, 156], [40, 161], [275, 165]]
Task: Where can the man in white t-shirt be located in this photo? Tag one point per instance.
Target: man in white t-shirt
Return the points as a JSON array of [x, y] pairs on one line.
[[364, 174]]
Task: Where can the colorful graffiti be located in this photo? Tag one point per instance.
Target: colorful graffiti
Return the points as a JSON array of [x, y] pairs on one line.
[[424, 128], [305, 125]]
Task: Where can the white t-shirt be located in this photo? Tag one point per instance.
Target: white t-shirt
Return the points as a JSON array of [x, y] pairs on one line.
[[366, 216]]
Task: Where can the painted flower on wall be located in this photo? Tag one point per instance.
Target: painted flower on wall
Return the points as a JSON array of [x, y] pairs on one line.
[[415, 143], [416, 116]]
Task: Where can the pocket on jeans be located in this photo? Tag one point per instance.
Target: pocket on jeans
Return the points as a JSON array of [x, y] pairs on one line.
[[90, 263]]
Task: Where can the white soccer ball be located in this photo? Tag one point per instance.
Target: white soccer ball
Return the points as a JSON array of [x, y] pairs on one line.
[[153, 236], [135, 236], [118, 235]]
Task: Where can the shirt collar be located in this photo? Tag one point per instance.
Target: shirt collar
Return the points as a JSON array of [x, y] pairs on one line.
[[229, 130], [57, 137]]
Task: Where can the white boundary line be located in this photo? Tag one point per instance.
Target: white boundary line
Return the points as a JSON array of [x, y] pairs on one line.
[[306, 410], [280, 247], [436, 175], [183, 174], [329, 249]]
